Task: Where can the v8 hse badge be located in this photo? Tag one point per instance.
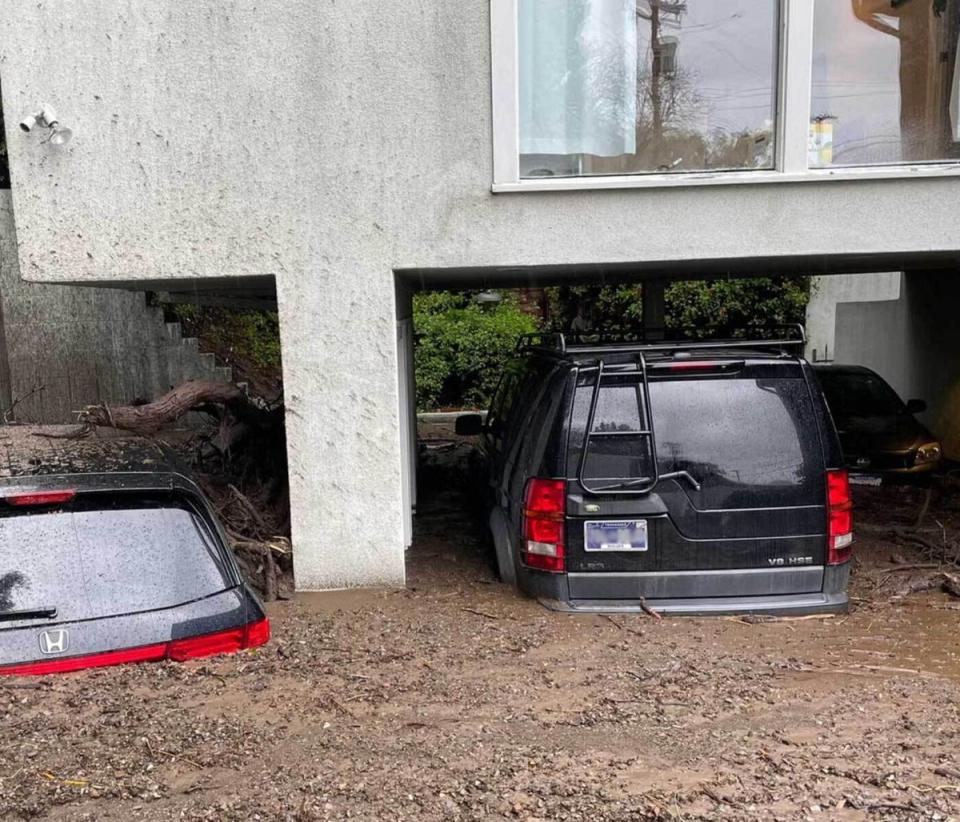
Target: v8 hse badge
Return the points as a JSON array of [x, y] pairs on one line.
[[779, 561]]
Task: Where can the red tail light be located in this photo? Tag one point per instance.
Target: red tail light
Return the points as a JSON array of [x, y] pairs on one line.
[[840, 513], [258, 633], [223, 642], [41, 498], [146, 653], [545, 505]]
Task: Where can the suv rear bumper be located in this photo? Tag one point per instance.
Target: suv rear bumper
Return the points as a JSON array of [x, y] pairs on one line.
[[787, 605], [798, 591]]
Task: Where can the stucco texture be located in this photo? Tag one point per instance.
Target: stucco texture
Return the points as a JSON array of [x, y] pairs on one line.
[[64, 347], [329, 144]]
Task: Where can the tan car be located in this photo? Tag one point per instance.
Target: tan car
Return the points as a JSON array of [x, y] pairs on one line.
[[878, 431]]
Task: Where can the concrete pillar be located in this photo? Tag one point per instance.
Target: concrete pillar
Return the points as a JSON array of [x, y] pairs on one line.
[[408, 407], [342, 416]]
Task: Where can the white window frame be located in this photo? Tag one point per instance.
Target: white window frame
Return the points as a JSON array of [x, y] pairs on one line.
[[792, 121]]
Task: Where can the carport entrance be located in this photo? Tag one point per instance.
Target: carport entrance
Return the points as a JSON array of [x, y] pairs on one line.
[[894, 323]]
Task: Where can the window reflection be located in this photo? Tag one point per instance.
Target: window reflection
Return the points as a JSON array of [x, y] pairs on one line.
[[633, 86], [885, 83]]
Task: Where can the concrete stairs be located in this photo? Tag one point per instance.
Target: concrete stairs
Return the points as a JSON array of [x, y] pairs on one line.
[[185, 361], [165, 358]]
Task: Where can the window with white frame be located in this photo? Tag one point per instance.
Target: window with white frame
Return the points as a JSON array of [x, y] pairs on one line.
[[600, 92]]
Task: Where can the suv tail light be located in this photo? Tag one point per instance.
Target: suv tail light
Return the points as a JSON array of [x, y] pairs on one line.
[[545, 504], [840, 513], [251, 635]]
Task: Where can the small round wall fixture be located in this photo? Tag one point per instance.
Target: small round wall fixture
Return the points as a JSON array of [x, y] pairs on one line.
[[46, 118], [489, 298]]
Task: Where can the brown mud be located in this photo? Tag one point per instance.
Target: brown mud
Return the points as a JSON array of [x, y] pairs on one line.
[[455, 699]]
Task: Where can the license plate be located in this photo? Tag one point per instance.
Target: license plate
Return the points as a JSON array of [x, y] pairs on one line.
[[620, 535]]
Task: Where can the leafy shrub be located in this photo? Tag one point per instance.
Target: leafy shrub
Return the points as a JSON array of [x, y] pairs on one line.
[[616, 307], [690, 304], [250, 335], [461, 347], [737, 303]]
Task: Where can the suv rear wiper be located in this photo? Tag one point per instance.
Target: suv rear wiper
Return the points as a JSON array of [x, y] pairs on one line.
[[28, 613], [642, 480]]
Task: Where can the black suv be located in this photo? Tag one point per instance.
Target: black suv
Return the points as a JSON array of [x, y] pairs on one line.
[[688, 477]]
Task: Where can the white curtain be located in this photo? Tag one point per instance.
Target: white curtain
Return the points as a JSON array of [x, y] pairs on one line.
[[578, 77]]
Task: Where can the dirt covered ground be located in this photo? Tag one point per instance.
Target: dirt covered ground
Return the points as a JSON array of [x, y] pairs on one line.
[[454, 699]]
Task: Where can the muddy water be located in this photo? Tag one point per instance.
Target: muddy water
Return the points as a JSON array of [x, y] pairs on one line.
[[331, 602], [922, 634]]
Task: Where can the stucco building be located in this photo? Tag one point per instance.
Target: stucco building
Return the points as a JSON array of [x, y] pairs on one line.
[[347, 154]]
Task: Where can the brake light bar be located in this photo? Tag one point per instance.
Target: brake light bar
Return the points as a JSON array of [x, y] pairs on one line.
[[545, 505], [688, 366], [697, 366], [41, 498], [840, 517], [251, 635]]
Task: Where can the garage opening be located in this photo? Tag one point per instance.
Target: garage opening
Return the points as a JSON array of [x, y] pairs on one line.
[[460, 341], [878, 324], [193, 371]]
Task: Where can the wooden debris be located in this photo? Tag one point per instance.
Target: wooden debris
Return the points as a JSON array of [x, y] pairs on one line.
[[480, 613], [951, 584], [648, 610], [148, 419]]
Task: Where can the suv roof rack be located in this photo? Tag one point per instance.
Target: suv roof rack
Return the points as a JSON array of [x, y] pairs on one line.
[[784, 337]]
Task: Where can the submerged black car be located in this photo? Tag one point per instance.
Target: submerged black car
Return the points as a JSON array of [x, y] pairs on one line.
[[878, 432], [109, 555], [689, 477]]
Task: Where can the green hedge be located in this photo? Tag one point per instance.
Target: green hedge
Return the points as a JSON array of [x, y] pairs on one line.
[[461, 347], [737, 303]]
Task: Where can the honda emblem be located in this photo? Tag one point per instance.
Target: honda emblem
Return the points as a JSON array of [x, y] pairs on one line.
[[55, 642]]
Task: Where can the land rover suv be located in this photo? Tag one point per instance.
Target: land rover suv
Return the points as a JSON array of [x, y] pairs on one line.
[[687, 477]]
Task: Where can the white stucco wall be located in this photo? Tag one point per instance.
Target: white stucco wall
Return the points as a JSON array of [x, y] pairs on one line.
[[65, 347], [914, 343], [330, 144], [826, 293]]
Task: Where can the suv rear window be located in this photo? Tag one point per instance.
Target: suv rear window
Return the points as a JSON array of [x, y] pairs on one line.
[[725, 432], [104, 556]]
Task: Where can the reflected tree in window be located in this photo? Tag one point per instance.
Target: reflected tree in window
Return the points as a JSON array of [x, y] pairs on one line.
[[886, 84], [701, 82]]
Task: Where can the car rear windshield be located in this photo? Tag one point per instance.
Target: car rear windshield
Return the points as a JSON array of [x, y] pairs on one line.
[[103, 556], [859, 395], [727, 433]]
